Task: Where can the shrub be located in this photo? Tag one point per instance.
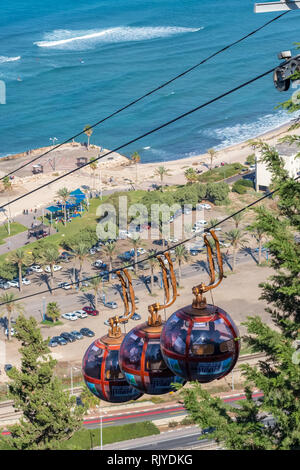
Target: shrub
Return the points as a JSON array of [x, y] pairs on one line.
[[217, 193], [241, 186]]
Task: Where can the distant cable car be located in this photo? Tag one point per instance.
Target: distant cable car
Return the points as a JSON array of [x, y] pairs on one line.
[[200, 341], [100, 365], [140, 356]]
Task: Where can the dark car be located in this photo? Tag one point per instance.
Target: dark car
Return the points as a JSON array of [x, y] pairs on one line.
[[148, 279], [87, 332], [52, 343], [7, 367], [91, 311], [76, 334], [66, 254], [68, 337], [208, 430], [136, 317], [194, 252], [60, 340]]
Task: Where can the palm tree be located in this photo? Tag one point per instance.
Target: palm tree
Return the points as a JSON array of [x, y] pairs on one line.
[[109, 250], [81, 252], [20, 258], [212, 153], [236, 239], [53, 311], [191, 175], [182, 256], [162, 171], [153, 264], [96, 286], [136, 243], [9, 308], [212, 222], [50, 257], [135, 158], [7, 183], [93, 166], [88, 131], [64, 195], [238, 218]]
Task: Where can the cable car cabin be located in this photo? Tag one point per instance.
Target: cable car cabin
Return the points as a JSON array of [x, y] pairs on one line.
[[38, 168]]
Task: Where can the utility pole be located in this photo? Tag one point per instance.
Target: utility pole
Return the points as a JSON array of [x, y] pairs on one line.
[[282, 5]]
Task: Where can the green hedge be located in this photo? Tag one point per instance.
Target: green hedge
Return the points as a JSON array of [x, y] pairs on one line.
[[223, 172], [241, 186]]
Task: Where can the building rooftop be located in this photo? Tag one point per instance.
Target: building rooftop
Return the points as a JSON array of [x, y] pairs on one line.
[[287, 149]]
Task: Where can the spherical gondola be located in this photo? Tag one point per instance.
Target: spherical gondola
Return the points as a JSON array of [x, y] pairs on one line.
[[102, 374]]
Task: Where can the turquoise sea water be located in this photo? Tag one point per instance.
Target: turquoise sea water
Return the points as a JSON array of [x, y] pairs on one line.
[[67, 64]]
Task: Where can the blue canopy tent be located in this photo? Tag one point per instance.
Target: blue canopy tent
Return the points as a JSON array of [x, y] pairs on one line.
[[73, 206]]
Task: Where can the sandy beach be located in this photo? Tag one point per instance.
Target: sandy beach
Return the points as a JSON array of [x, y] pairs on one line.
[[114, 172]]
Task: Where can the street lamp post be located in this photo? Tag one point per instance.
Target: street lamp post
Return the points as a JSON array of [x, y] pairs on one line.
[[53, 139]]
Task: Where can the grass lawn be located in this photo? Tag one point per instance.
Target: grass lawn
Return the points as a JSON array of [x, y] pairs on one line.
[[15, 228], [86, 439], [218, 174]]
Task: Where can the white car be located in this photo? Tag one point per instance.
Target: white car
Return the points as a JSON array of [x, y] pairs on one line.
[[36, 268], [204, 206], [141, 251], [65, 285], [56, 267], [70, 316], [13, 283], [98, 263], [172, 240], [93, 251], [252, 167], [80, 314], [26, 281], [12, 332]]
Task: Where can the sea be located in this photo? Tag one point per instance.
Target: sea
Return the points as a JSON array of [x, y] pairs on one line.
[[66, 64]]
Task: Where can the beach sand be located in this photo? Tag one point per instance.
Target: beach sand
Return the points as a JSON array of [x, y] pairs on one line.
[[114, 166]]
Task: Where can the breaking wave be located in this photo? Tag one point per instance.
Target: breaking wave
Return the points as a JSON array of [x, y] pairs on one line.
[[4, 59]]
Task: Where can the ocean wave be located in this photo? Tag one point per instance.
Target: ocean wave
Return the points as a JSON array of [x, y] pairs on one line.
[[64, 39], [238, 133], [4, 59]]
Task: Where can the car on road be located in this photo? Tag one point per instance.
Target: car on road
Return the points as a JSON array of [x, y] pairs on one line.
[[56, 267], [87, 332], [64, 285], [36, 268], [80, 313], [70, 316], [68, 337], [111, 304], [77, 334], [91, 311]]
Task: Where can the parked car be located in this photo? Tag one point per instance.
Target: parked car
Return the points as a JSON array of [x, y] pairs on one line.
[[13, 283], [205, 206], [111, 304], [70, 316], [77, 334], [7, 367], [87, 332], [53, 343], [65, 259], [12, 332], [147, 279], [65, 285], [66, 254], [93, 251], [56, 267], [26, 281], [4, 285], [252, 167], [80, 313], [91, 311], [35, 268], [60, 340], [136, 317], [141, 251], [68, 337], [194, 252]]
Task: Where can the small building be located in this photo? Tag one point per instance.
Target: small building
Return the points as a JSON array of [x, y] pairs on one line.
[[263, 177]]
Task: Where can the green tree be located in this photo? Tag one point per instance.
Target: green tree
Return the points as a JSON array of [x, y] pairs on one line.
[[161, 171], [217, 193], [250, 160], [136, 243], [49, 414], [81, 252], [7, 183], [96, 286], [136, 158], [53, 311], [259, 230], [237, 218], [277, 376], [236, 238], [182, 256], [212, 155], [64, 195], [88, 131], [109, 250], [190, 175], [10, 307], [50, 257], [20, 258]]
